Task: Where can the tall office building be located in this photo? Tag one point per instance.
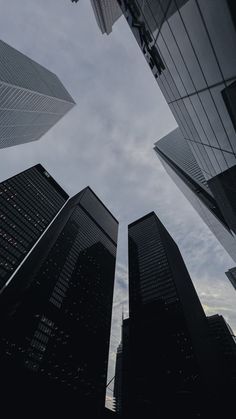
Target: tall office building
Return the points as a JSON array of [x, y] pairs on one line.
[[29, 201], [106, 13], [32, 98], [56, 315], [187, 44], [172, 362], [225, 341], [231, 274], [180, 164]]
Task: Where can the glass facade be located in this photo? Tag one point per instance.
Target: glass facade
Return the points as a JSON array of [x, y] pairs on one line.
[[170, 352], [188, 45], [32, 99], [28, 203], [193, 39], [177, 158], [61, 303]]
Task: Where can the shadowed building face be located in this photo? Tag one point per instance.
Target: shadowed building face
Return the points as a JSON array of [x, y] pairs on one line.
[[56, 320]]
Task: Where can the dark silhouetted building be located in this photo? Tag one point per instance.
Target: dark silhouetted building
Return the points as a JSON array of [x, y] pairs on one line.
[[231, 274], [118, 381], [170, 363], [188, 46], [180, 164], [32, 98], [56, 315], [121, 390], [29, 202], [225, 341]]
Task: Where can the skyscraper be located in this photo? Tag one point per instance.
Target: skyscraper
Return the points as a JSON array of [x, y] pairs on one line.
[[172, 362], [231, 274], [225, 342], [32, 98], [56, 314], [187, 44], [106, 13], [181, 165], [29, 201]]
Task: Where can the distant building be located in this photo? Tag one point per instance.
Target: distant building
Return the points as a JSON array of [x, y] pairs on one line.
[[106, 13], [179, 162], [121, 390], [32, 98], [29, 201], [186, 45], [118, 381], [231, 274], [56, 315], [172, 368]]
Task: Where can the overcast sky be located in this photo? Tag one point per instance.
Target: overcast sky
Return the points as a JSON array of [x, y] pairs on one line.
[[106, 141]]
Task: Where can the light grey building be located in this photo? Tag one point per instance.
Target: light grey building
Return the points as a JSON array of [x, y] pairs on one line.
[[231, 274], [179, 162], [32, 98], [106, 13]]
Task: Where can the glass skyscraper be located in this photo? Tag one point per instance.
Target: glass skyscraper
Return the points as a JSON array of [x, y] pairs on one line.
[[188, 45], [173, 361], [56, 314], [29, 201], [180, 164], [32, 98], [172, 368]]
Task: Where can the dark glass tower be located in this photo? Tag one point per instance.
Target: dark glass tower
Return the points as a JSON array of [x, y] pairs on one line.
[[188, 46], [172, 368], [29, 202], [225, 341], [181, 165], [56, 314]]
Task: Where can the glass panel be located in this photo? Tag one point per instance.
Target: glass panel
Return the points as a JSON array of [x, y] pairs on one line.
[[227, 104], [221, 160], [216, 127], [230, 159], [197, 122], [169, 63], [184, 45], [200, 41], [229, 143], [222, 32]]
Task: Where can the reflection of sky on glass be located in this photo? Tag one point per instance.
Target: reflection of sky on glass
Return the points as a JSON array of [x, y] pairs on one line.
[[106, 141]]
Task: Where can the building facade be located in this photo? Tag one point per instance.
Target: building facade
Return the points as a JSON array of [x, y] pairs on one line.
[[29, 201], [172, 362], [32, 98], [106, 13], [179, 162], [56, 314], [224, 339], [231, 274], [187, 44]]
